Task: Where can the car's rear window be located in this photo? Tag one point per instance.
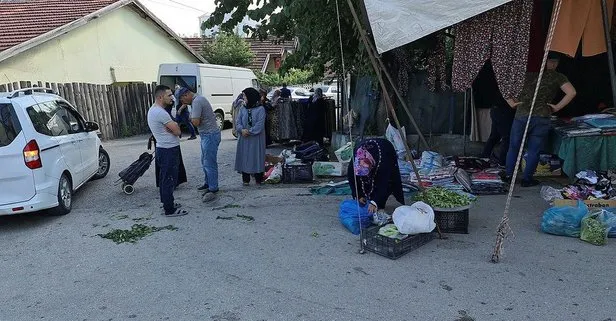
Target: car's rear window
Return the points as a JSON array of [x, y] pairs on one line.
[[9, 125]]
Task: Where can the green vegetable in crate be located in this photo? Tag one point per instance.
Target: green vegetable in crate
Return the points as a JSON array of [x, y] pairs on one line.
[[440, 197], [594, 231]]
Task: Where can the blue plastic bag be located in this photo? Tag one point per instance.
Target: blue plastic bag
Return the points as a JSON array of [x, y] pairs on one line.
[[350, 218], [565, 220]]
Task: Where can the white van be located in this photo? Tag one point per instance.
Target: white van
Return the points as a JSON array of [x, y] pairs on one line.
[[219, 84]]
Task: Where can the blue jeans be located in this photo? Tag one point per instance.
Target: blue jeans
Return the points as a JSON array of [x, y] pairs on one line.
[[538, 130], [184, 118], [168, 160], [209, 154]]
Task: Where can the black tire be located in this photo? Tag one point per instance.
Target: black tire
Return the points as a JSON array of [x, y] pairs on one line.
[[65, 197], [104, 163], [220, 120]]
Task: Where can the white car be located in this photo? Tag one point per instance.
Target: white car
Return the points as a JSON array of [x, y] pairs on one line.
[[328, 91], [47, 151], [297, 93]]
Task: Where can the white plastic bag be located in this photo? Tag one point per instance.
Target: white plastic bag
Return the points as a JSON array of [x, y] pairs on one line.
[[276, 176], [414, 219], [393, 135]]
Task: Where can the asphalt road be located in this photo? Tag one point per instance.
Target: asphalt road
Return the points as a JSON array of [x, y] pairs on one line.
[[293, 262]]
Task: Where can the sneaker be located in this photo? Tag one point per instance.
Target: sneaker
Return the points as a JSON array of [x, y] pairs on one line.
[[531, 183], [192, 137], [203, 188], [208, 197]]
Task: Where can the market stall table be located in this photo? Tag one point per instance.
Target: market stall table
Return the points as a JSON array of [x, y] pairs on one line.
[[584, 152]]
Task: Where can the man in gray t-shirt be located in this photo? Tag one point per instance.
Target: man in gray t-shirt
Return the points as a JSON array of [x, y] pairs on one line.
[[203, 117], [167, 135]]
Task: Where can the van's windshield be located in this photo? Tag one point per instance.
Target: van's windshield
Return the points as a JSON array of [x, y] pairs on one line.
[[189, 82]]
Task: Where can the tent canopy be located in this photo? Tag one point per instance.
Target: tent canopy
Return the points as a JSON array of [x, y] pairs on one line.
[[396, 23]]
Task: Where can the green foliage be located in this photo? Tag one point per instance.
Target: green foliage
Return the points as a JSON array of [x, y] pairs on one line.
[[228, 49], [314, 23], [292, 77]]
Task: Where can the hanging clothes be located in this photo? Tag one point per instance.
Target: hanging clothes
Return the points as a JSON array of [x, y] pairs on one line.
[[501, 34], [437, 65], [581, 21]]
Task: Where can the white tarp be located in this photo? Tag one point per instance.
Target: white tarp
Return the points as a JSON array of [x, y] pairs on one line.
[[395, 23]]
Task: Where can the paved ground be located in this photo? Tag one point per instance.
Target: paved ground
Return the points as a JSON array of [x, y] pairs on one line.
[[293, 262]]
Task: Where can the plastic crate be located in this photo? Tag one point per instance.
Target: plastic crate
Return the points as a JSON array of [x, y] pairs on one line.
[[452, 221], [297, 173], [390, 247]]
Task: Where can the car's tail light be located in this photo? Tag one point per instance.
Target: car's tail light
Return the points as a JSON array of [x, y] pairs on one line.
[[32, 155]]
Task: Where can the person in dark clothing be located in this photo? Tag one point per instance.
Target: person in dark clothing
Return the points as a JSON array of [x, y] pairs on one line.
[[285, 92], [487, 95], [314, 124], [375, 167], [183, 117], [267, 104]]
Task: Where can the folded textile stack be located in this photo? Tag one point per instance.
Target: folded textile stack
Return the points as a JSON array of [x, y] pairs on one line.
[[486, 183], [436, 177], [606, 125]]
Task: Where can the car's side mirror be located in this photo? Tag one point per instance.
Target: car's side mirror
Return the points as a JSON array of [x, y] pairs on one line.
[[91, 126]]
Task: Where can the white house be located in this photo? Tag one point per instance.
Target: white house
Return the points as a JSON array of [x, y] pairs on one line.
[[91, 41]]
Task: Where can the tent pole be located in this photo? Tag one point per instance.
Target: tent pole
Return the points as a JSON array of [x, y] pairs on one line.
[[372, 52], [610, 53], [388, 101], [464, 129]]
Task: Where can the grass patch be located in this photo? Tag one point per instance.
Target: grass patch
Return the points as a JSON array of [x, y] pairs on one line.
[[137, 232]]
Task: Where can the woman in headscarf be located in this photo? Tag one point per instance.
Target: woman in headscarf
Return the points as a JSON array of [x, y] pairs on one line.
[[250, 126], [314, 124], [375, 169]]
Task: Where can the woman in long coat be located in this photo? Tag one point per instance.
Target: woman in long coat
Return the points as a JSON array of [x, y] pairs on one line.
[[250, 125], [314, 124], [375, 167]]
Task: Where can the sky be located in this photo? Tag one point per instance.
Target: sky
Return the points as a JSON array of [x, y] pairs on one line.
[[182, 16]]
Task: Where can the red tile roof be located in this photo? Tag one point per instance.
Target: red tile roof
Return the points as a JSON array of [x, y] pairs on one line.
[[260, 48], [22, 20]]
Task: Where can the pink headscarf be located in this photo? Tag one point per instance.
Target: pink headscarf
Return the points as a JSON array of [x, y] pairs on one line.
[[364, 162]]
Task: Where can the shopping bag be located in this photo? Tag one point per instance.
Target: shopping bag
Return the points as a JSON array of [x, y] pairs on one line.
[[564, 220], [415, 219], [393, 135], [354, 216]]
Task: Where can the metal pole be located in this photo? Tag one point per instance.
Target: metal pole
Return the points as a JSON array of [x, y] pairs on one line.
[[464, 129], [610, 53]]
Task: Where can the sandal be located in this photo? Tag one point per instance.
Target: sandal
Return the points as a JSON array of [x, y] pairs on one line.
[[177, 212], [175, 206]]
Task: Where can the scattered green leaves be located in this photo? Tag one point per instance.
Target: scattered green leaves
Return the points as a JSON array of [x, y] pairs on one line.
[[226, 207], [246, 217], [137, 232]]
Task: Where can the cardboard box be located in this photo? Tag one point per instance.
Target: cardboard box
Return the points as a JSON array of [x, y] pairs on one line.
[[549, 165], [330, 169], [590, 204], [344, 154]]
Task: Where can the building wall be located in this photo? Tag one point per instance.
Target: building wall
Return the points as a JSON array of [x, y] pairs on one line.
[[122, 40]]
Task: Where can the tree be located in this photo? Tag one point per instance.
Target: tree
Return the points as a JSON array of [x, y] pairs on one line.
[[292, 77], [228, 49], [314, 23]]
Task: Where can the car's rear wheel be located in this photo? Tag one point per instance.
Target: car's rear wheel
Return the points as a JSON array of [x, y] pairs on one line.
[[65, 197], [104, 163]]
